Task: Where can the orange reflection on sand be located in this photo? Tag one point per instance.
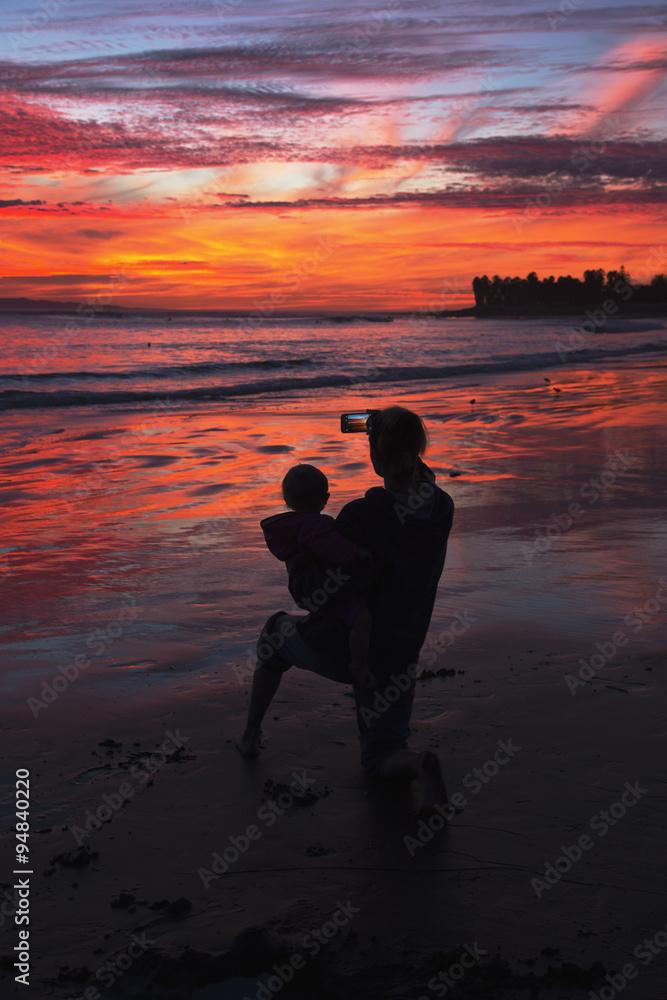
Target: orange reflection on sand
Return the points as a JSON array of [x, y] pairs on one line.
[[98, 513]]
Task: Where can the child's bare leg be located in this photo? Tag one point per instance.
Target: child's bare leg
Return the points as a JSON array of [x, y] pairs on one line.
[[265, 683]]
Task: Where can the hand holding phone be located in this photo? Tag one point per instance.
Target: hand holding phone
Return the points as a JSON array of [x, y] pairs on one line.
[[355, 423]]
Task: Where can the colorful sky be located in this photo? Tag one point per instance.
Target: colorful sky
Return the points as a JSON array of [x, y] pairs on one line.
[[279, 154]]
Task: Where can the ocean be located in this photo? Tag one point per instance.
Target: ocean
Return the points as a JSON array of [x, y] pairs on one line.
[[61, 361]]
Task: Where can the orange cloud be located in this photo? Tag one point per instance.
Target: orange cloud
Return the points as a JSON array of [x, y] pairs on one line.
[[289, 258]]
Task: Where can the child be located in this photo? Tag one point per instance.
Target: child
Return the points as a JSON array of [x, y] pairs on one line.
[[307, 542]]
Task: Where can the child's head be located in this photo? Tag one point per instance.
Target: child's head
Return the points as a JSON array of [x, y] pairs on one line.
[[305, 488]]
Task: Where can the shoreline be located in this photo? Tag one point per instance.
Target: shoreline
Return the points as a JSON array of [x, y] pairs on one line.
[[34, 307]]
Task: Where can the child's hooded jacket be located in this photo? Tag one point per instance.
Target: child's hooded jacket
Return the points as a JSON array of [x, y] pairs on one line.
[[315, 553]]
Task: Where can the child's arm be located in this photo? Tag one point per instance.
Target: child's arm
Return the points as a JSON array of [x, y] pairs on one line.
[[360, 635], [322, 539]]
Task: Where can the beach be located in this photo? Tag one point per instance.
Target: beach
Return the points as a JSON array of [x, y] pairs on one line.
[[135, 583]]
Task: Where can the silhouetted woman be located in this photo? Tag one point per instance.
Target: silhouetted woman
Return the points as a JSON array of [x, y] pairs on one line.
[[405, 525]]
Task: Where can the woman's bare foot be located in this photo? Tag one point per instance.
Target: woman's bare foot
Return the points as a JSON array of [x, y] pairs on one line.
[[432, 789], [249, 744]]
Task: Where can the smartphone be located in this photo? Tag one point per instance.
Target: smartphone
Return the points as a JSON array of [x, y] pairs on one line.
[[355, 423]]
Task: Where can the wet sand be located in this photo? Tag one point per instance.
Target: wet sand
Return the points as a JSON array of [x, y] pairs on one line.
[[143, 738]]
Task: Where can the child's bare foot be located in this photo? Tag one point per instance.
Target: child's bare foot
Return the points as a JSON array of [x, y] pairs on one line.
[[248, 745], [432, 789], [363, 676]]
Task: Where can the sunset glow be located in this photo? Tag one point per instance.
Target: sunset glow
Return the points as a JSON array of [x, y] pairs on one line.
[[232, 155]]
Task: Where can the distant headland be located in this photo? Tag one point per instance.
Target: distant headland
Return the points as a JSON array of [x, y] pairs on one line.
[[566, 294], [610, 291]]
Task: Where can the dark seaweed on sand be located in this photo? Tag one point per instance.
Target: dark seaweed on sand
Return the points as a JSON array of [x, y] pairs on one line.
[[273, 789]]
